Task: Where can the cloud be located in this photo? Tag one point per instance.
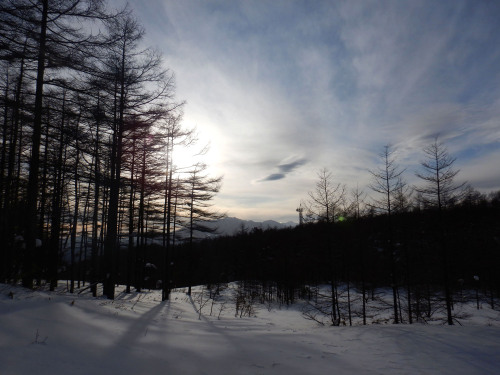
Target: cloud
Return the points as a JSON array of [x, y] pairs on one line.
[[284, 168], [330, 83], [288, 167], [273, 177]]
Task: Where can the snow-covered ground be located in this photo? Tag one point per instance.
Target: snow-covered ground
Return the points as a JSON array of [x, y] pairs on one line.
[[57, 333]]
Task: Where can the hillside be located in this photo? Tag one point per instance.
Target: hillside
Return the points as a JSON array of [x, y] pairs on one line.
[[57, 333]]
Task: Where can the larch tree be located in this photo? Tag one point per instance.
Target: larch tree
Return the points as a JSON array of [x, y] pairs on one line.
[[325, 201], [440, 191], [176, 136], [388, 183], [48, 34], [74, 78], [200, 190], [140, 87], [324, 205]]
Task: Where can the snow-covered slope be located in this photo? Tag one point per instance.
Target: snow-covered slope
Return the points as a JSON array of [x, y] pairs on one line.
[[58, 333]]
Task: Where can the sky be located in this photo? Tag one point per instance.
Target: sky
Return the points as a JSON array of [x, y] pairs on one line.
[[281, 89]]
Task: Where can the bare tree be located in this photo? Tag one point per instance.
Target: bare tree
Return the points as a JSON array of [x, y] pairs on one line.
[[49, 35], [70, 91], [440, 191], [357, 202], [140, 87], [200, 191], [176, 136], [324, 205], [387, 181], [326, 200]]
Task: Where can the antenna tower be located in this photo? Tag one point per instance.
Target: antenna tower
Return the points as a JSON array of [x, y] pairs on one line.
[[301, 217]]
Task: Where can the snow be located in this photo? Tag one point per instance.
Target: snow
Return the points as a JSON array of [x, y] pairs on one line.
[[45, 332]]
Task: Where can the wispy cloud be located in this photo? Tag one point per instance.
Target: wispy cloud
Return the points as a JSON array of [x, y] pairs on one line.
[[332, 82]]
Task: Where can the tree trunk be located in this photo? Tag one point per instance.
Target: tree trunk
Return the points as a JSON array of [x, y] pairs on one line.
[[57, 206], [32, 192], [75, 212]]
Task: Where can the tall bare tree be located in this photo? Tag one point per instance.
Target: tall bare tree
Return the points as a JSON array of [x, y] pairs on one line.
[[49, 34], [200, 190], [176, 136], [140, 87], [440, 190], [324, 205], [387, 182]]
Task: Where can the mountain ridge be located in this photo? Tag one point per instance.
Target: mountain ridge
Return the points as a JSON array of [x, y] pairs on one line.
[[233, 225]]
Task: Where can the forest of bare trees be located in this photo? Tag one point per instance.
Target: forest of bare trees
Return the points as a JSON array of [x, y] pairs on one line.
[[88, 172], [92, 191], [428, 244]]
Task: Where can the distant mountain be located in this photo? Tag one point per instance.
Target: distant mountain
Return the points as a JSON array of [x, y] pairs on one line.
[[232, 225], [225, 227]]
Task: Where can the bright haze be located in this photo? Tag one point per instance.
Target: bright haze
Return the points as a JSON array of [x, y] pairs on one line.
[[284, 88]]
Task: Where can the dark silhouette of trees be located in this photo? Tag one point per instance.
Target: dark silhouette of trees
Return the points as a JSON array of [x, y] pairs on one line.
[[141, 87], [89, 125], [47, 35], [289, 264], [92, 190]]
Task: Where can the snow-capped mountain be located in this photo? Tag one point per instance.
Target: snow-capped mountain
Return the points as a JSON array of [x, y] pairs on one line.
[[232, 225]]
